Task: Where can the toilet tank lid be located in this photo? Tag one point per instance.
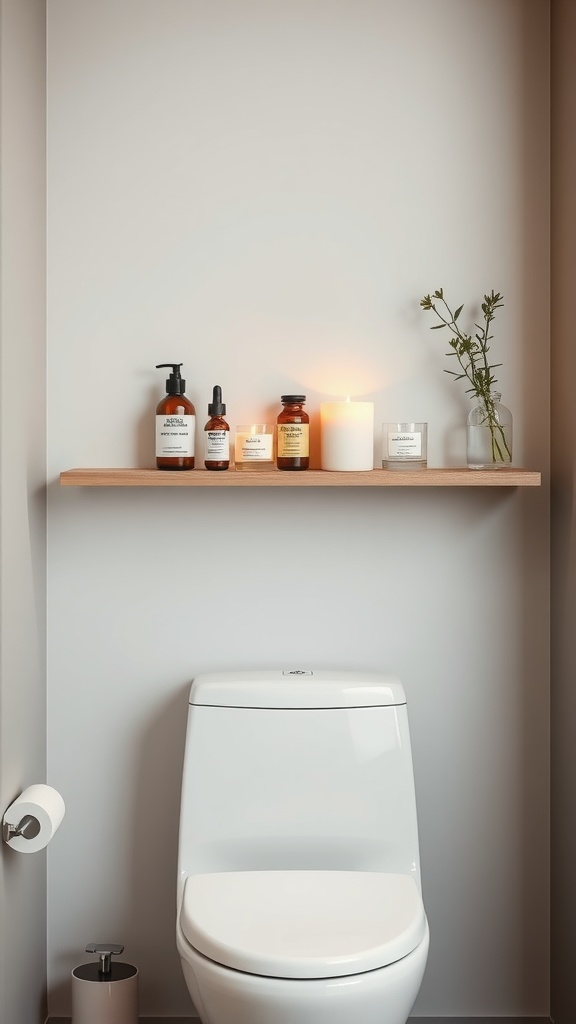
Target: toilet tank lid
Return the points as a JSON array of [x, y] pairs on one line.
[[296, 688]]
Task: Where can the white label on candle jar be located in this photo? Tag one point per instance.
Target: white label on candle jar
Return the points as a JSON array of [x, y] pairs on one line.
[[253, 447], [404, 446], [175, 436]]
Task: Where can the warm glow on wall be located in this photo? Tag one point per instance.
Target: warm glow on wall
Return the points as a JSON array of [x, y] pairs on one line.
[[338, 375], [328, 360]]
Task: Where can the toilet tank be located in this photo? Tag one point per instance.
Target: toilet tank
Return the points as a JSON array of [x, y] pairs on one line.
[[297, 770]]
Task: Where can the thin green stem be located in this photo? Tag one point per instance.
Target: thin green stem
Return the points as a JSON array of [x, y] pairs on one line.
[[497, 428], [464, 338]]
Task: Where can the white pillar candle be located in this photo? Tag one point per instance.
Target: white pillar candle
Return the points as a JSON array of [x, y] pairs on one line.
[[347, 435]]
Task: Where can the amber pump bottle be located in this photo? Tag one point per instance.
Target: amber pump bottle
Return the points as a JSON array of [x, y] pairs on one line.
[[217, 434], [292, 434], [175, 424]]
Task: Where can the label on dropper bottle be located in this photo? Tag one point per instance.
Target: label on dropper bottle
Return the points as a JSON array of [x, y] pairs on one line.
[[217, 445]]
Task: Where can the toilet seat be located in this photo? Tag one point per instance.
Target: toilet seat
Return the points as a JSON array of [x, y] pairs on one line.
[[303, 924]]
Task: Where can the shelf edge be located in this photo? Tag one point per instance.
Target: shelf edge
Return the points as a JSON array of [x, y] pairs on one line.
[[433, 477]]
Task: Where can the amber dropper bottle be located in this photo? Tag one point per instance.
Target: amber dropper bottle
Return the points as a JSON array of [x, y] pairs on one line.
[[175, 424], [217, 434]]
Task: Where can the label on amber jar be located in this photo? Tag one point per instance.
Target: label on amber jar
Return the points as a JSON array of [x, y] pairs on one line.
[[293, 440], [175, 436]]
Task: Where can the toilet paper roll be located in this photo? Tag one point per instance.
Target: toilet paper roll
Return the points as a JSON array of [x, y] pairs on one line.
[[43, 803]]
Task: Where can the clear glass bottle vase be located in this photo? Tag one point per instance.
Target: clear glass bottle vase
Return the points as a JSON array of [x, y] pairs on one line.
[[489, 434]]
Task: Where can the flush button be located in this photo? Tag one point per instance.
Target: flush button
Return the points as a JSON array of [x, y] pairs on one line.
[[297, 672]]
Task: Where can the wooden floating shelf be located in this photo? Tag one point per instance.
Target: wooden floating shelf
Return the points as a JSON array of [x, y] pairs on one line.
[[505, 477]]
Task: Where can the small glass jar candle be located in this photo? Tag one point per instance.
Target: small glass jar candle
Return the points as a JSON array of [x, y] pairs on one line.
[[254, 447], [404, 445]]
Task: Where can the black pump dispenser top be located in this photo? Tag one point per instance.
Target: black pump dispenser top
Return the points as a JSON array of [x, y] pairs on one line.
[[175, 385], [216, 406]]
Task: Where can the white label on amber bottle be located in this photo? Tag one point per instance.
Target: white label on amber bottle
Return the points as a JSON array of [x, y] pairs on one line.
[[175, 436], [293, 440], [217, 446], [402, 446]]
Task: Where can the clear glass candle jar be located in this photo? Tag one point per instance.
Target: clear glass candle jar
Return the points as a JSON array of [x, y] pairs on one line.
[[254, 447]]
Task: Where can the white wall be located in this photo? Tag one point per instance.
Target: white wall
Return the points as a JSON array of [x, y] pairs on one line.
[[22, 494], [264, 192]]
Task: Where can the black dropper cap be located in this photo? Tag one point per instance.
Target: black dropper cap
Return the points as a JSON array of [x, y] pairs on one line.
[[174, 385], [216, 407]]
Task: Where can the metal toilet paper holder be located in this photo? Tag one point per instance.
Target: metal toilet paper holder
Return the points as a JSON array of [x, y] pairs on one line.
[[31, 820], [28, 827]]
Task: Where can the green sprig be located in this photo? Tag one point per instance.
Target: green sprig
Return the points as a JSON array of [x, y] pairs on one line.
[[472, 355]]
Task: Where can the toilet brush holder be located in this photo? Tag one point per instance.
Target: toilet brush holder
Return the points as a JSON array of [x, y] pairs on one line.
[[105, 991]]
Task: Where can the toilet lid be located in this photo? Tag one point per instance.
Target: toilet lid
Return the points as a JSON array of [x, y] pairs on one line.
[[303, 924]]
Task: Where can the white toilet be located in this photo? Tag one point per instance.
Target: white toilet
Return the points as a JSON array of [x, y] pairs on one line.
[[299, 894]]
